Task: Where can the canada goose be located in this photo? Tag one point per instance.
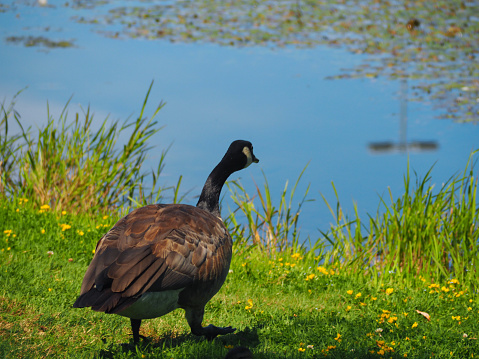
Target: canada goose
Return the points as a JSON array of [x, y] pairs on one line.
[[166, 256]]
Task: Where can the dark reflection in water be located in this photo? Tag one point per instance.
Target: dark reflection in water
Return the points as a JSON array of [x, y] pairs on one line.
[[403, 145]]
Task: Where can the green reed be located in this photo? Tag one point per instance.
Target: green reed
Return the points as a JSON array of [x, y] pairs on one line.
[[427, 232], [268, 225], [68, 165]]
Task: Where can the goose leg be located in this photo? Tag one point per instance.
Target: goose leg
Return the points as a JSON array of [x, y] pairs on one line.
[[135, 327], [194, 316]]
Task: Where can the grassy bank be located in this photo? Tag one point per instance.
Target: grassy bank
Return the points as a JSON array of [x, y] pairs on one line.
[[402, 283], [284, 305]]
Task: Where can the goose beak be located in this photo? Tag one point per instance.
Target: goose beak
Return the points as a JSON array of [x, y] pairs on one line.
[[255, 160]]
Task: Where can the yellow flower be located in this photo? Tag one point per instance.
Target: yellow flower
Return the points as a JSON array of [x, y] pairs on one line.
[[65, 226], [105, 217], [331, 347], [389, 291], [414, 325], [445, 289], [81, 233], [229, 346], [45, 207], [42, 231], [250, 304], [350, 292], [454, 281], [296, 256], [357, 296], [8, 248], [64, 212], [323, 270], [338, 337], [392, 320], [374, 298], [301, 349], [310, 277], [456, 317], [50, 289], [348, 308]]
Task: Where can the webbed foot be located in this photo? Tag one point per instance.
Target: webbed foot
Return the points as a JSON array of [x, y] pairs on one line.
[[211, 332]]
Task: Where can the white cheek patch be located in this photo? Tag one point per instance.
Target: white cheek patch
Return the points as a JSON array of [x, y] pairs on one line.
[[249, 157]]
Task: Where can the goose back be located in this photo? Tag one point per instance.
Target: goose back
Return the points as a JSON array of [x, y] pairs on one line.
[[158, 248]]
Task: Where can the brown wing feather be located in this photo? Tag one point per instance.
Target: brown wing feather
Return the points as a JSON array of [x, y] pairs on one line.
[[155, 248]]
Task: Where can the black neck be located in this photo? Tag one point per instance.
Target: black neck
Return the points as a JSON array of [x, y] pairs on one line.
[[210, 195]]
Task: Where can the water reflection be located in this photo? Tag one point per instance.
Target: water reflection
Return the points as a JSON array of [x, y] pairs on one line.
[[403, 145], [279, 99]]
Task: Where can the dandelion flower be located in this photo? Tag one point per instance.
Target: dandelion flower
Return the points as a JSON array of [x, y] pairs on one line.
[[65, 226], [323, 270], [296, 256]]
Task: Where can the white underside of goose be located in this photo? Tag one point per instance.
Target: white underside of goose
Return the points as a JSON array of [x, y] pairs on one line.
[[153, 305]]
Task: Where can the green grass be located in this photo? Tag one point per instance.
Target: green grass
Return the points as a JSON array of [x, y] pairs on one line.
[[357, 291], [280, 303], [69, 166]]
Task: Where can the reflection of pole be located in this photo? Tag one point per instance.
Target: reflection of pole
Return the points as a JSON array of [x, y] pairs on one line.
[[403, 144], [403, 115]]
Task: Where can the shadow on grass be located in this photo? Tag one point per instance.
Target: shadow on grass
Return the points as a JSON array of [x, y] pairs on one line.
[[247, 337]]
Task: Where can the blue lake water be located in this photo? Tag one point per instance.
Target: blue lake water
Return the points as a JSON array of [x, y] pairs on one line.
[[278, 99]]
